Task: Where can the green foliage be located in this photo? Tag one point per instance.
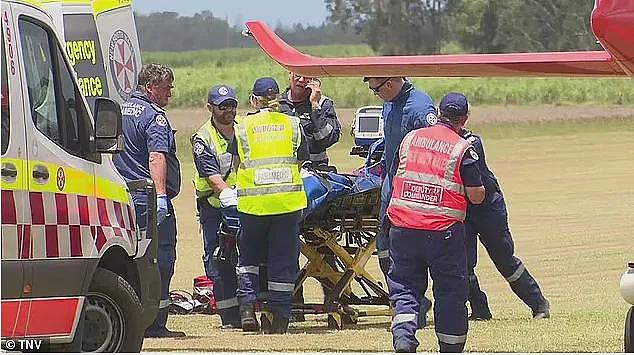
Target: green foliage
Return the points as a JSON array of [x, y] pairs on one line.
[[394, 26], [167, 31], [483, 26], [197, 71]]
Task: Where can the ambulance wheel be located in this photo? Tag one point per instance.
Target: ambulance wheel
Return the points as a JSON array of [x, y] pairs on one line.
[[629, 331], [113, 319]]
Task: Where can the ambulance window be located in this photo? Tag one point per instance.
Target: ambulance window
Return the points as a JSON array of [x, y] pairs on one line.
[[57, 107], [5, 101]]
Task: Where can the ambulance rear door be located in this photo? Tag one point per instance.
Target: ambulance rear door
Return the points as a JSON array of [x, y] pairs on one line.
[[119, 46], [60, 179]]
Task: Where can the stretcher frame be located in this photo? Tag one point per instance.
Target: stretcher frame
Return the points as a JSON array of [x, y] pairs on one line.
[[339, 240]]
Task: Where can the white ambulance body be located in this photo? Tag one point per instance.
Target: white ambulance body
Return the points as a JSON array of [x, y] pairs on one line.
[[102, 45], [76, 271]]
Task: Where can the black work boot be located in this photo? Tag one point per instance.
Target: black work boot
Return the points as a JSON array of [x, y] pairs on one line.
[[543, 311], [478, 300], [266, 321], [247, 318], [451, 348], [280, 324], [158, 329], [404, 347]]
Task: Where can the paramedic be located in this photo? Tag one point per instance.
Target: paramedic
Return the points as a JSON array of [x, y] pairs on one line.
[[268, 150], [437, 174], [150, 153], [215, 195], [489, 221], [405, 109]]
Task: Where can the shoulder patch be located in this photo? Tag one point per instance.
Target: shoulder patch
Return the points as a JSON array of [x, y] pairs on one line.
[[199, 148], [161, 120], [431, 119], [471, 139], [474, 155]]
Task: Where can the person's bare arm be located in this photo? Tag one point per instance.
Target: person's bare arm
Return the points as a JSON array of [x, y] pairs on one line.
[[158, 171], [475, 194], [216, 183]]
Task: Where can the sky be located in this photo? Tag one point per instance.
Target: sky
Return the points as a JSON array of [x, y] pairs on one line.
[[287, 12]]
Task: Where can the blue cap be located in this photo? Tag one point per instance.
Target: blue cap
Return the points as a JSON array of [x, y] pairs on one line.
[[266, 86], [221, 93], [454, 104]]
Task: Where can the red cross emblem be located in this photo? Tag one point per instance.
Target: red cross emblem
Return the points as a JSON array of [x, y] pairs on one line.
[[122, 63]]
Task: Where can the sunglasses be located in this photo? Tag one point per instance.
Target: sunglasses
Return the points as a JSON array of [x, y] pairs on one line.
[[224, 107], [376, 89]]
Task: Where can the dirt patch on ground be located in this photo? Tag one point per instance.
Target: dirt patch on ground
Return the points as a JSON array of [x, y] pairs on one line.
[[190, 119]]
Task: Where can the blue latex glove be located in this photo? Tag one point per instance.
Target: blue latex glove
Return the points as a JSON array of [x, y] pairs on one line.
[[230, 220], [161, 208]]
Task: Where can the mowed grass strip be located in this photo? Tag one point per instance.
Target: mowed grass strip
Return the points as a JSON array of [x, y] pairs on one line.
[[568, 191]]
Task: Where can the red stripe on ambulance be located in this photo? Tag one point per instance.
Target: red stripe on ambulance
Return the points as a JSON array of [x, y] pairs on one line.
[[8, 208]]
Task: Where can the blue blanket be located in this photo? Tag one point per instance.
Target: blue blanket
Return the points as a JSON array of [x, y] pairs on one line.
[[323, 187]]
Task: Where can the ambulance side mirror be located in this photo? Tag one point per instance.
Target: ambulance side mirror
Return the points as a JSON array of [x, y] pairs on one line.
[[108, 126]]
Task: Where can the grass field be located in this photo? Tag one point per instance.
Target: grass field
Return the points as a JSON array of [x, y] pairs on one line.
[[197, 71], [568, 189]]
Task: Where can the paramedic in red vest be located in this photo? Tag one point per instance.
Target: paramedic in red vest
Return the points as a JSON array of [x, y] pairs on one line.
[[437, 175]]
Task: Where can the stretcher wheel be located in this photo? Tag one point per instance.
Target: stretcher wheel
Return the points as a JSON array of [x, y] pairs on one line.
[[335, 321]]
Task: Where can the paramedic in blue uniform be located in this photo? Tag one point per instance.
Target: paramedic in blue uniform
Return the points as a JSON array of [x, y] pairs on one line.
[[405, 109], [216, 196], [437, 174], [489, 222], [316, 112], [268, 150], [150, 153]]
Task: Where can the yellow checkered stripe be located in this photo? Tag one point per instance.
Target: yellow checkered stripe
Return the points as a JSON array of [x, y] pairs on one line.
[[62, 179]]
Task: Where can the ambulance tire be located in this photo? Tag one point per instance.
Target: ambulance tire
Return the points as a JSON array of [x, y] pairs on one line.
[[113, 320], [629, 331]]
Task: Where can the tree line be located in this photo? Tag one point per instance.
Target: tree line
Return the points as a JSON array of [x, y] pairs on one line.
[[167, 31], [399, 27]]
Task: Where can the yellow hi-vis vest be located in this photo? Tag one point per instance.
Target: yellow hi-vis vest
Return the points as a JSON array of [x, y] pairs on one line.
[[268, 178], [218, 145]]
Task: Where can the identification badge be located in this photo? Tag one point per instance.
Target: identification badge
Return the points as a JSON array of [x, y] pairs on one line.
[[273, 176], [422, 193]]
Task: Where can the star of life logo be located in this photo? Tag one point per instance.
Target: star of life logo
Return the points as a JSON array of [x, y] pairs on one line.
[[123, 68]]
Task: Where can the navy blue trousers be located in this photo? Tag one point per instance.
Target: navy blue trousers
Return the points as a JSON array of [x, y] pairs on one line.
[[274, 242], [166, 255], [489, 221], [223, 274], [383, 254], [414, 253]]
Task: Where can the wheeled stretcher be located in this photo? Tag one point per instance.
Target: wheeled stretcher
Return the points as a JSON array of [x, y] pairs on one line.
[[339, 239]]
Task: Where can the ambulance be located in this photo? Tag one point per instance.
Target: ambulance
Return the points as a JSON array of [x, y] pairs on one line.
[[77, 274]]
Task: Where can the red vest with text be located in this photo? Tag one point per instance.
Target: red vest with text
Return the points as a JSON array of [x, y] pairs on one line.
[[428, 192]]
